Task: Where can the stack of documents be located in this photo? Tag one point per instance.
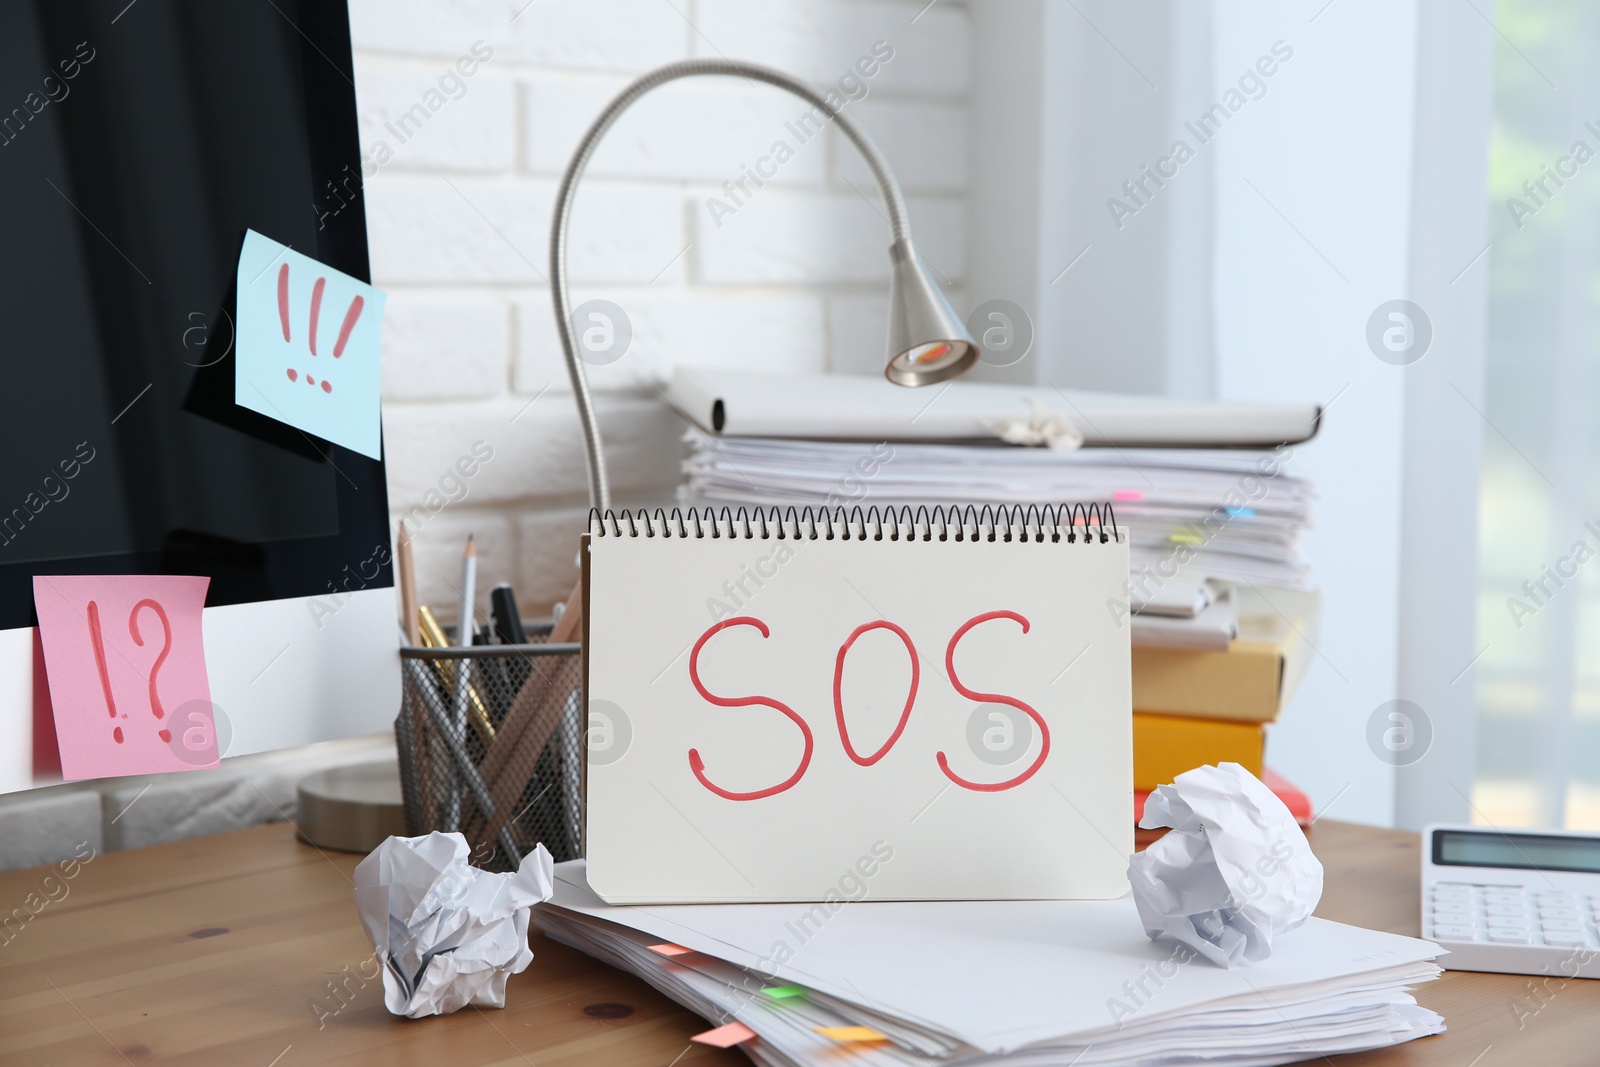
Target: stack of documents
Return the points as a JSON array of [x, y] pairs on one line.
[[1232, 515], [1018, 983]]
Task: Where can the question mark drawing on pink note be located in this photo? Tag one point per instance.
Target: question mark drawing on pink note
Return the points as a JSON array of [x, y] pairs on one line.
[[161, 657], [282, 347]]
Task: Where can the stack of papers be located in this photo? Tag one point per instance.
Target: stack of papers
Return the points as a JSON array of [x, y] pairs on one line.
[[1015, 983], [1194, 513]]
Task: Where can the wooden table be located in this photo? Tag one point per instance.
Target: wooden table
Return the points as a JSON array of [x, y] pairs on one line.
[[225, 950]]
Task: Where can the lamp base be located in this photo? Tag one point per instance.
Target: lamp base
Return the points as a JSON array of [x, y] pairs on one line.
[[351, 809]]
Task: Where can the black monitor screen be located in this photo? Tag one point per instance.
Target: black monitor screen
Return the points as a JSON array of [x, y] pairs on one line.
[[137, 143]]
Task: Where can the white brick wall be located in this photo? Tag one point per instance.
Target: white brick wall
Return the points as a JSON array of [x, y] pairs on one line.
[[458, 215]]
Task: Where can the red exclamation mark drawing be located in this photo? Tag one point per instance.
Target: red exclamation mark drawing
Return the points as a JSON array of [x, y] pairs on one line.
[[350, 317], [283, 309], [316, 311], [98, 640], [311, 336], [352, 313]]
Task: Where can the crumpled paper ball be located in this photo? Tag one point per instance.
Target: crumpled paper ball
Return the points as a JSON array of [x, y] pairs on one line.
[[448, 934], [1233, 873]]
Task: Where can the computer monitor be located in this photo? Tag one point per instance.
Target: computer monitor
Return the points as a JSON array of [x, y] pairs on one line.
[[138, 141]]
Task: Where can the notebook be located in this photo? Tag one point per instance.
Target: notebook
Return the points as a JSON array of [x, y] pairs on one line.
[[782, 707]]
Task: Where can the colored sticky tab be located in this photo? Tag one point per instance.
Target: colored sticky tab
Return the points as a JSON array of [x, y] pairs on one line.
[[725, 1036], [126, 665], [306, 350], [1184, 539], [1127, 494], [850, 1033], [784, 992], [670, 950], [1242, 513]]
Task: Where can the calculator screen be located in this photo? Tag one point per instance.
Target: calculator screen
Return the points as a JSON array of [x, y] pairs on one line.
[[1465, 848]]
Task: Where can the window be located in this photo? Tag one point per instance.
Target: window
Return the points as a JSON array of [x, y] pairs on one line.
[[1538, 680]]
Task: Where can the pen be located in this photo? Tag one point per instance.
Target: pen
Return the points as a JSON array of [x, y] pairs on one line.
[[433, 636], [508, 626], [507, 620], [491, 674]]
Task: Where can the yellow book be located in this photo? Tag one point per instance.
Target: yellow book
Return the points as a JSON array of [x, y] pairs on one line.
[[1252, 681], [1164, 746]]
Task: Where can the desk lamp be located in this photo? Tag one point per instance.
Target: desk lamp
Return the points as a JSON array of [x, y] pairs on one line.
[[927, 342]]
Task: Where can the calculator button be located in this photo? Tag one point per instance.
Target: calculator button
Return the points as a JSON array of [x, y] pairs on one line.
[[1505, 909], [1558, 913], [1457, 893], [1503, 898], [1509, 936], [1564, 937], [1561, 924], [1453, 906], [1508, 922], [1455, 933], [1557, 898]]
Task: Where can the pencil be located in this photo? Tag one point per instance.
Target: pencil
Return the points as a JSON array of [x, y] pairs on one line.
[[407, 574], [469, 592]]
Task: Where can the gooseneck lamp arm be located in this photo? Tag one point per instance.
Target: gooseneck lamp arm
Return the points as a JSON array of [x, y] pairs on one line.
[[927, 342]]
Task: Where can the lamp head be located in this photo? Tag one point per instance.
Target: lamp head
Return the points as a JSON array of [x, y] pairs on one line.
[[927, 342]]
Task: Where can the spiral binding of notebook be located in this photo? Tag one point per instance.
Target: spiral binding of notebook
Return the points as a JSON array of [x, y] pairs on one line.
[[1074, 523]]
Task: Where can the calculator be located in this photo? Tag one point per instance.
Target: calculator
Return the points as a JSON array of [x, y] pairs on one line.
[[1512, 902]]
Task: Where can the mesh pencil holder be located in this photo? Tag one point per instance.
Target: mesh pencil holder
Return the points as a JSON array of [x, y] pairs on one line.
[[490, 739]]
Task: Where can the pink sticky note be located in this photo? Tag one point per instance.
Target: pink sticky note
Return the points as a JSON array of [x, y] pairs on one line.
[[126, 664], [725, 1036]]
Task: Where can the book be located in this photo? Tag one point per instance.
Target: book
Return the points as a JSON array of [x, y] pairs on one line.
[[1164, 746], [739, 403], [1253, 680], [770, 695]]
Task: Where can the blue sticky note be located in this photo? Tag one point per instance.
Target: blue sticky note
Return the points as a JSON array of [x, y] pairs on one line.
[[307, 349]]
